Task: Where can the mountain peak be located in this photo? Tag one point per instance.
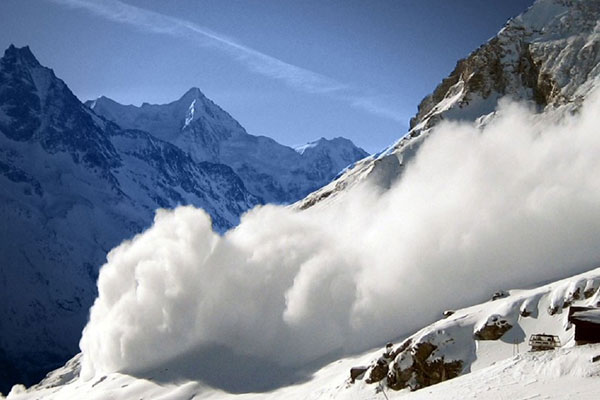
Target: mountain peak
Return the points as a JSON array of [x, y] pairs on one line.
[[341, 149], [99, 101], [193, 93], [21, 55]]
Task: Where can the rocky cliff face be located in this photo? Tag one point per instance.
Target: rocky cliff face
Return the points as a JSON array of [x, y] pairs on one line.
[[548, 56]]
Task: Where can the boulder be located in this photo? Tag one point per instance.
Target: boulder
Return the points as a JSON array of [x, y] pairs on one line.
[[493, 329]]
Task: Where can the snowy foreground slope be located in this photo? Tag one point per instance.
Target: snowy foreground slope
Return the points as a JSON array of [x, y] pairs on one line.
[[493, 369]]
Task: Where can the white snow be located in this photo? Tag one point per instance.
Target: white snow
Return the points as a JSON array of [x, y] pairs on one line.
[[190, 116], [501, 369], [562, 37], [475, 211]]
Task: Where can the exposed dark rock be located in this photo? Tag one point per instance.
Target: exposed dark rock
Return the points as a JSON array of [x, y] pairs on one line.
[[493, 329], [589, 293], [554, 309], [357, 372], [425, 369], [378, 371], [411, 365], [499, 295]]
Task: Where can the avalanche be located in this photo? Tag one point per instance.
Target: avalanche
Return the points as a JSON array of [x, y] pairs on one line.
[[482, 195], [287, 287]]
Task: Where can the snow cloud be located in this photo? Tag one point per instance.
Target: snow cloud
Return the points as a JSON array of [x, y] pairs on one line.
[[476, 210]]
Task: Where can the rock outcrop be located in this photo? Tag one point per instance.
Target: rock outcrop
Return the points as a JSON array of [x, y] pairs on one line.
[[548, 56]]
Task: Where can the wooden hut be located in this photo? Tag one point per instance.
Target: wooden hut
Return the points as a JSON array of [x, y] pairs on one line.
[[587, 324]]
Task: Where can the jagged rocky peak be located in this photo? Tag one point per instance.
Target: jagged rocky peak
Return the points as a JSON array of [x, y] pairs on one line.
[[544, 55], [193, 94], [193, 112], [37, 106], [22, 55], [548, 56], [191, 100], [74, 186], [202, 129], [321, 143]]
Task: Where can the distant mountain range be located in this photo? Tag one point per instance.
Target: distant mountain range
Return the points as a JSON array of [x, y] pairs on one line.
[[274, 172], [75, 181]]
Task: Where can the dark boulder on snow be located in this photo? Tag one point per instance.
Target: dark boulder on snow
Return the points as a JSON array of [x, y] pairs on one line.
[[378, 371], [418, 367], [493, 329], [357, 372]]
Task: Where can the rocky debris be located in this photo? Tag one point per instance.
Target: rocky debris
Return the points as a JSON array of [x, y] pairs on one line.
[[499, 295], [556, 306], [554, 309], [317, 196], [357, 372], [448, 347], [493, 329], [576, 295], [589, 292], [381, 367], [418, 367], [413, 365], [378, 371]]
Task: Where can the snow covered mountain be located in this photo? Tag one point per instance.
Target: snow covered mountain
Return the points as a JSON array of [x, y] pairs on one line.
[[338, 275], [548, 56], [274, 172], [72, 187]]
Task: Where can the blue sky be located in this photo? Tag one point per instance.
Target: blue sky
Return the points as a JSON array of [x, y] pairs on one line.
[[291, 70]]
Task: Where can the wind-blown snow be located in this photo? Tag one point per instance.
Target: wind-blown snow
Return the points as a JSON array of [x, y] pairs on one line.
[[476, 210]]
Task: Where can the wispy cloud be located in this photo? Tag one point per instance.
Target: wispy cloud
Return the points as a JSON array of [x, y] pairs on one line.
[[296, 77]]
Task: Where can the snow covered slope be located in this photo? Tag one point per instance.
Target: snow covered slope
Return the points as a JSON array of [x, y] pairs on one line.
[[548, 56], [195, 124], [72, 186], [485, 344], [517, 206]]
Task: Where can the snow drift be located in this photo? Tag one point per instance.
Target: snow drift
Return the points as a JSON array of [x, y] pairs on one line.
[[477, 210]]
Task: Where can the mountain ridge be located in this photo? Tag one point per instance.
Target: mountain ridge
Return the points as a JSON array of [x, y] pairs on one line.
[[274, 172], [73, 186], [531, 59], [547, 56]]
